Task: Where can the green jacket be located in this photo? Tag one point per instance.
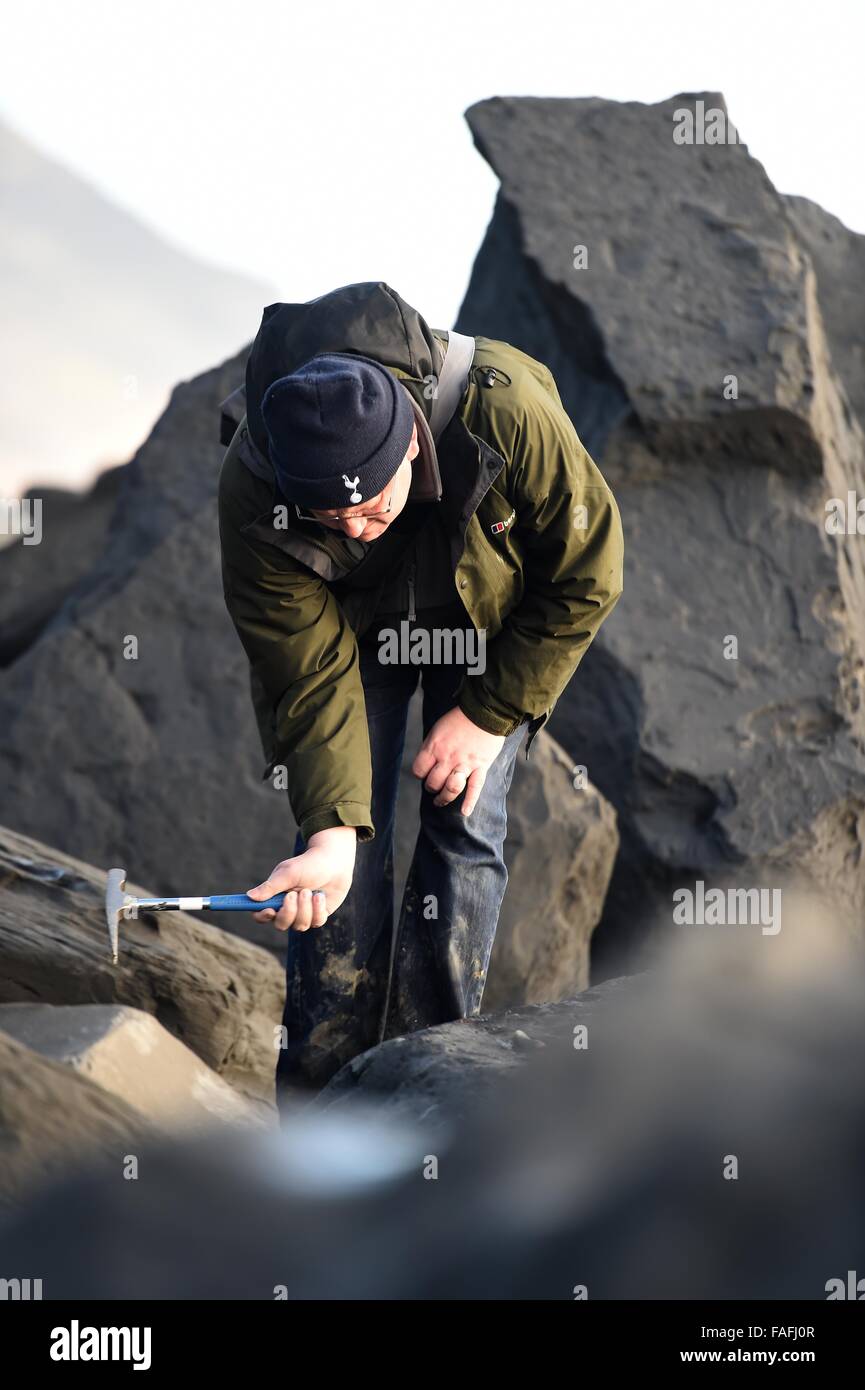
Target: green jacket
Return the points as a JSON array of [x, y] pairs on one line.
[[540, 586]]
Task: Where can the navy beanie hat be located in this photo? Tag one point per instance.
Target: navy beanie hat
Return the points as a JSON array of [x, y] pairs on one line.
[[338, 428]]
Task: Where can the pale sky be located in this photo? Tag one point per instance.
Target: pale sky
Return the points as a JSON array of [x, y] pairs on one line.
[[314, 145]]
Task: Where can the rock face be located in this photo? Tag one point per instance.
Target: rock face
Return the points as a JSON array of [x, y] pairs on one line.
[[219, 996], [720, 757], [51, 1119], [33, 589], [130, 1055], [560, 850]]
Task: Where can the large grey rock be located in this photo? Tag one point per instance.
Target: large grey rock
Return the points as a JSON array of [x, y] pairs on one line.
[[130, 1055], [440, 1075], [51, 1120], [219, 996], [695, 273], [560, 849], [36, 581], [607, 1166]]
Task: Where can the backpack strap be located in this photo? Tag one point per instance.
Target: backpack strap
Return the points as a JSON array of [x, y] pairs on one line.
[[459, 355]]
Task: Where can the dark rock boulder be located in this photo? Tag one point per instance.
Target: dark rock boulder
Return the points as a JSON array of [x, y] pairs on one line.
[[696, 274], [35, 581], [440, 1075]]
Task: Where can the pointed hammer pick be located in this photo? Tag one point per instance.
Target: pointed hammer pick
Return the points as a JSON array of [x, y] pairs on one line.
[[119, 904]]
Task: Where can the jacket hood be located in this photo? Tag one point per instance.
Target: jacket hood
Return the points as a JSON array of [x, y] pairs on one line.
[[368, 318]]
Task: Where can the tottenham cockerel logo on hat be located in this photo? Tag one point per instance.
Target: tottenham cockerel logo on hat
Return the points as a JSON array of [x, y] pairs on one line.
[[353, 482]]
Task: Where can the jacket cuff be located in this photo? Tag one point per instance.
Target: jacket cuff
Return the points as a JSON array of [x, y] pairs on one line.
[[478, 713], [343, 813]]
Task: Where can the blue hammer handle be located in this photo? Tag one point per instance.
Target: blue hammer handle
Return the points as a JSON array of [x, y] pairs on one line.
[[241, 902]]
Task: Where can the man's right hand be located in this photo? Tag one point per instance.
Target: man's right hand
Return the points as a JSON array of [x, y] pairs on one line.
[[327, 864]]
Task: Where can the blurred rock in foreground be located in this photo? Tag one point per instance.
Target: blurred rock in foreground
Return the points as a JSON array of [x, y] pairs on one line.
[[703, 1138]]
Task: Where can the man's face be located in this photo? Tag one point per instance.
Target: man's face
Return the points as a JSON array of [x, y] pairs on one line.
[[372, 517]]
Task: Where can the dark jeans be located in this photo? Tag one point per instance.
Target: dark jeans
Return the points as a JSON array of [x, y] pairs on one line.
[[342, 996]]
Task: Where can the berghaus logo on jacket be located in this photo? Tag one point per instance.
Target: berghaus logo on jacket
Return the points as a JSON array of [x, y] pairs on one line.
[[498, 526]]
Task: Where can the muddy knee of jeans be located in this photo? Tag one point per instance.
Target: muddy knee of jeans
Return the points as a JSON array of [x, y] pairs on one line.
[[311, 1062]]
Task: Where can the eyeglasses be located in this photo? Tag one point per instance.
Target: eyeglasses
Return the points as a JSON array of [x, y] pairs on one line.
[[352, 516]]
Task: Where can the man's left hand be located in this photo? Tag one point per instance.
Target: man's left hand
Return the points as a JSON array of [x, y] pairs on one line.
[[455, 757]]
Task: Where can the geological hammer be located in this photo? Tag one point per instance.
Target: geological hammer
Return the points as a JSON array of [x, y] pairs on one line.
[[120, 904]]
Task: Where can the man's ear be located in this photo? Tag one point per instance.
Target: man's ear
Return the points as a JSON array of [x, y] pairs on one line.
[[413, 444]]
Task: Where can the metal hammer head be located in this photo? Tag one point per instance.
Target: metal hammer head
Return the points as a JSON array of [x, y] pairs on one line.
[[118, 903]]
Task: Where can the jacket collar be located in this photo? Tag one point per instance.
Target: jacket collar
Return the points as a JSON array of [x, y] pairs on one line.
[[466, 467], [426, 482]]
